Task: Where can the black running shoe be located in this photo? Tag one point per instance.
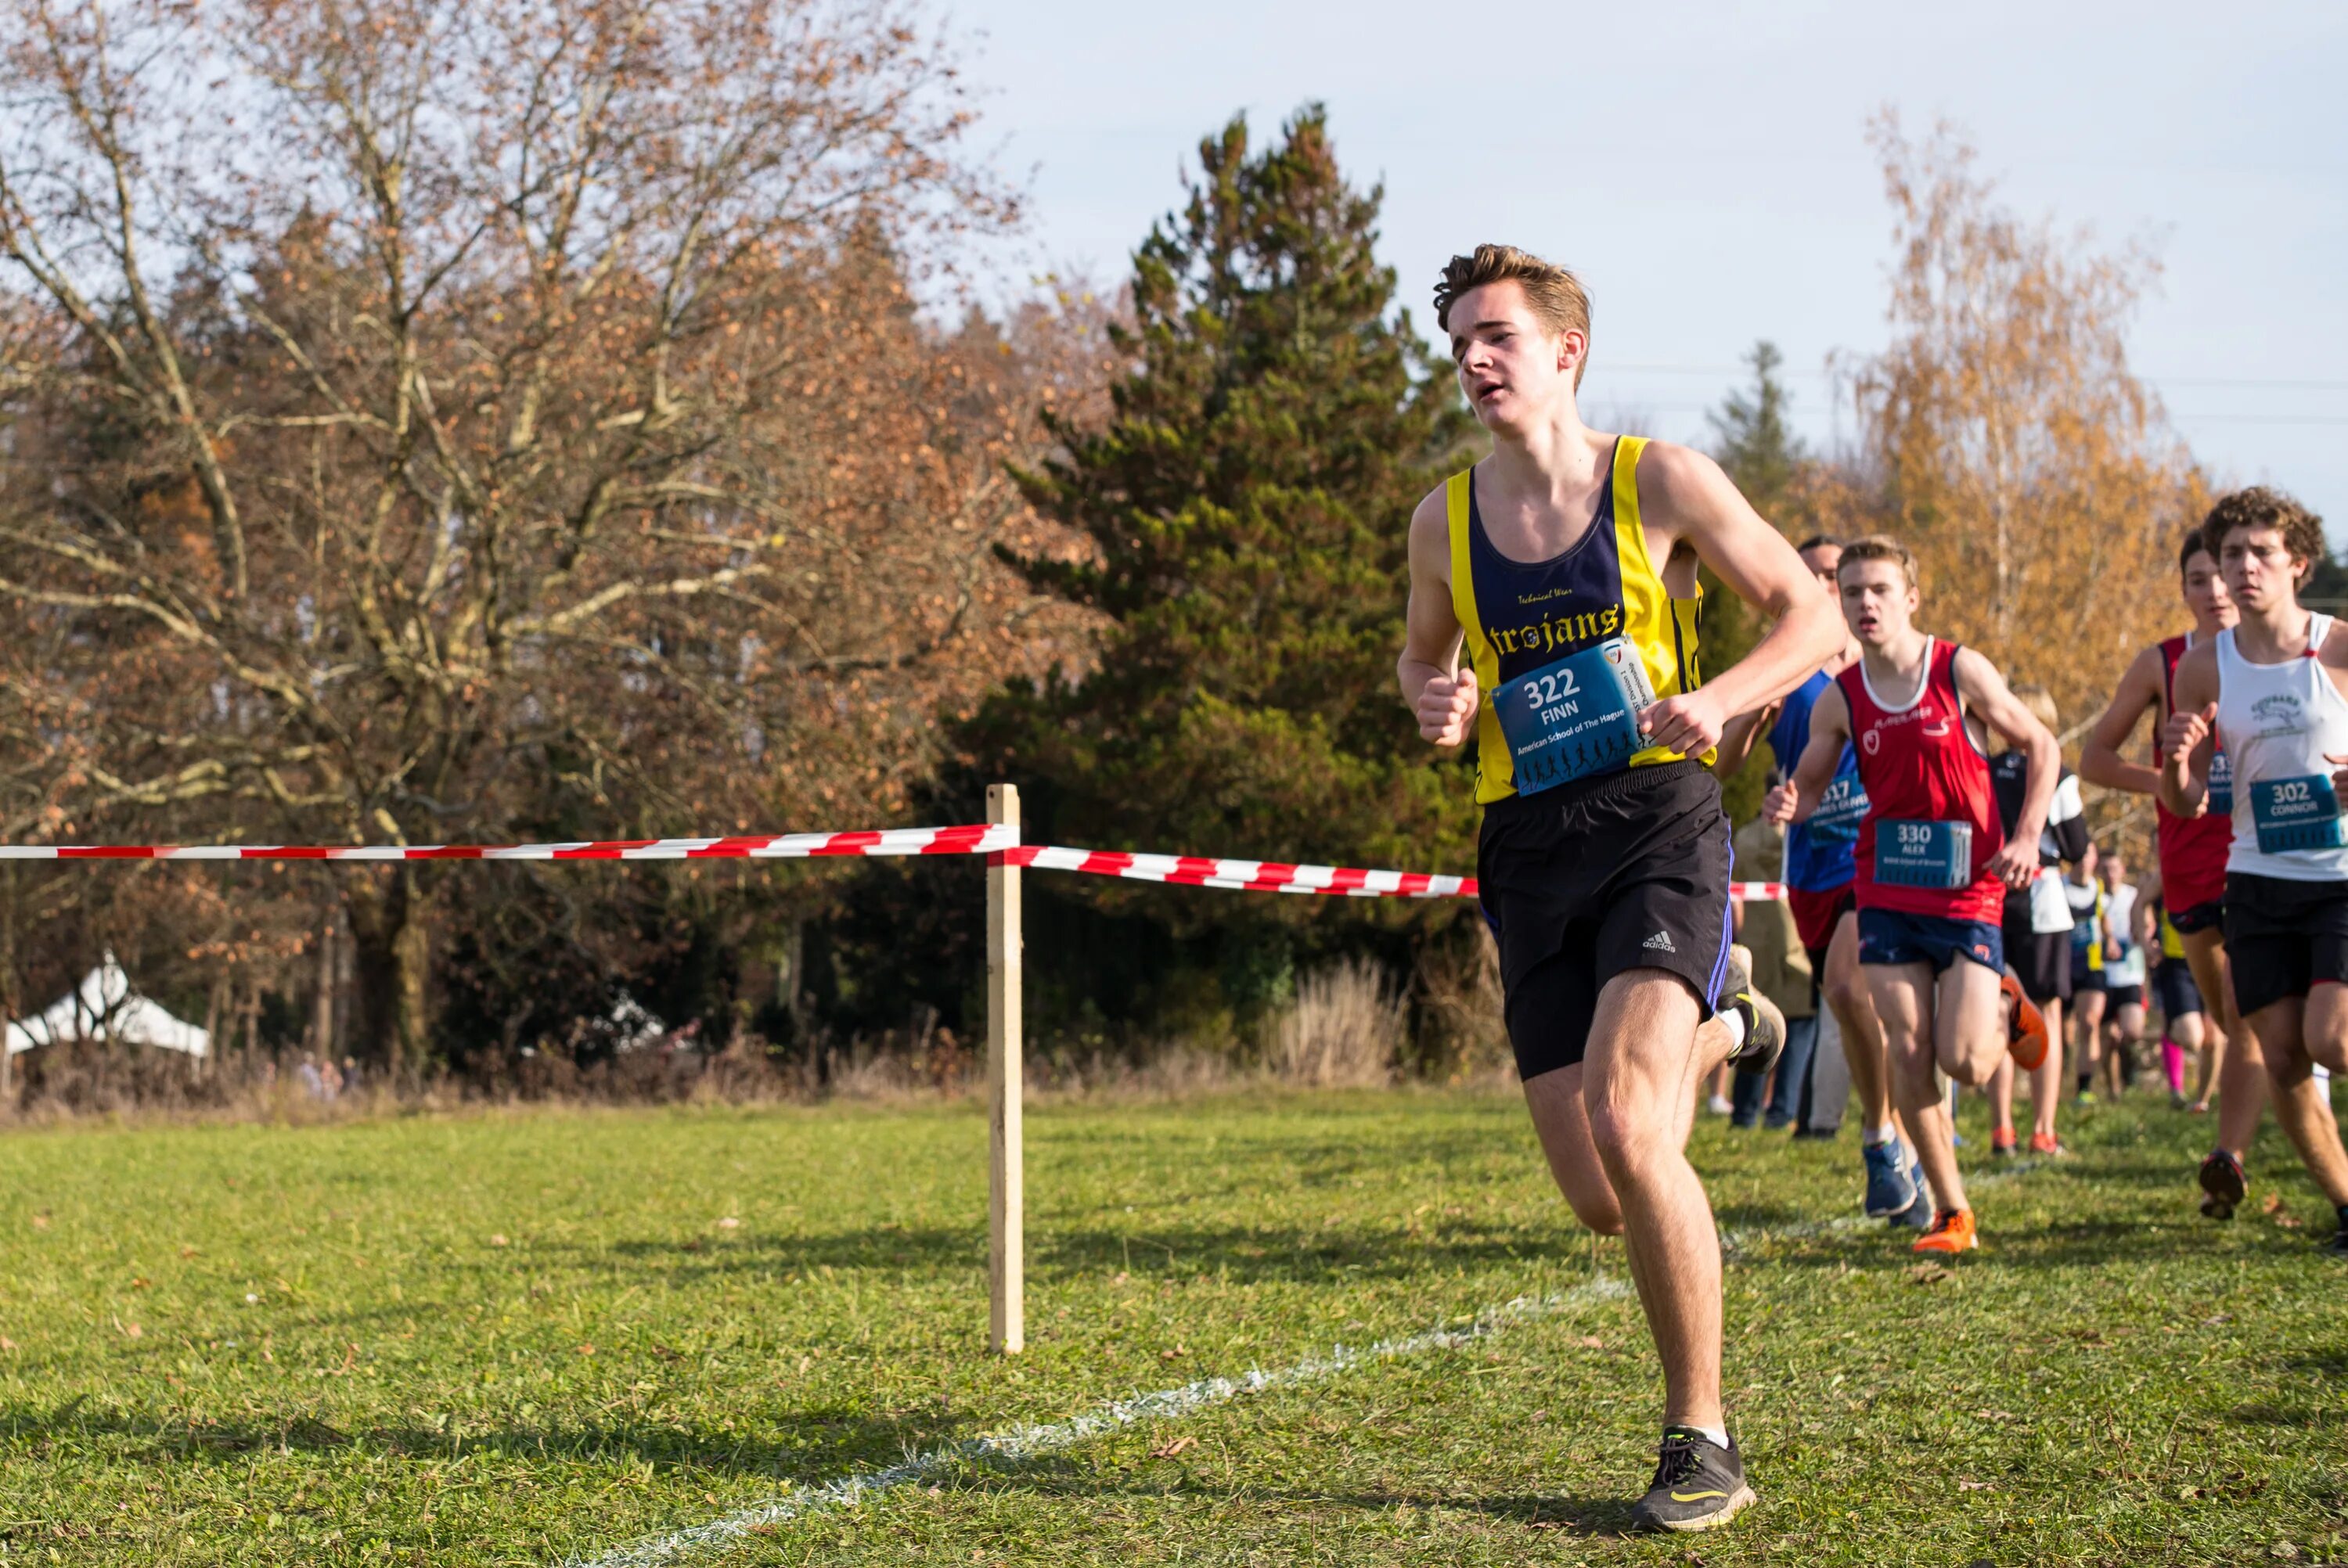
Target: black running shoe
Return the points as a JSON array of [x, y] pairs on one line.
[[2223, 1185], [1765, 1025], [1698, 1485], [2338, 1246]]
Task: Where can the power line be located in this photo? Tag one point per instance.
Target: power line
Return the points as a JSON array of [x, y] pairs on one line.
[[2284, 384], [1632, 401]]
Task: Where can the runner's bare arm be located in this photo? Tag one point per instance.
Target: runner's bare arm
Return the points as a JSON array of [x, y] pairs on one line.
[[1740, 735], [1688, 499], [2100, 761], [1433, 687], [1985, 691], [1798, 795], [2186, 741]]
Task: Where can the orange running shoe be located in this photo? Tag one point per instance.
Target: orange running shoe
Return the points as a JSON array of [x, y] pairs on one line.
[[2026, 1027], [1953, 1231]]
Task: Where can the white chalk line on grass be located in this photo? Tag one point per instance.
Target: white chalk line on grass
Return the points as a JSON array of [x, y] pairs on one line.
[[1028, 1442], [1166, 1404], [1735, 1241]]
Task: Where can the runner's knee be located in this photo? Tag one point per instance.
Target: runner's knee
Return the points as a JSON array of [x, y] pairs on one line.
[[1628, 1137], [1847, 994]]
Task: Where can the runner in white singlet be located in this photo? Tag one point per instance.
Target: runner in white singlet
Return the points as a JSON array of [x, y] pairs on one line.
[[2276, 686]]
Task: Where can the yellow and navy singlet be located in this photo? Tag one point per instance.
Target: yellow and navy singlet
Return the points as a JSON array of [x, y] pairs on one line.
[[2172, 941], [1521, 617]]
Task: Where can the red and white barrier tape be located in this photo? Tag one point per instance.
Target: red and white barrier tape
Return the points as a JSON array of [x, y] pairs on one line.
[[1185, 870], [976, 839], [1252, 875]]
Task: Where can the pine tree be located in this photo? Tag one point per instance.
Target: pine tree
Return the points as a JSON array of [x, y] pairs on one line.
[[1760, 453], [1756, 446], [1248, 499]]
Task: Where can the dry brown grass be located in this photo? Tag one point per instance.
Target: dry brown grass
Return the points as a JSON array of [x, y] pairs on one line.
[[1345, 1029]]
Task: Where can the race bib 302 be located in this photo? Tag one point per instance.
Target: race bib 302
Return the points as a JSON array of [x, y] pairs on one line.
[[2297, 813]]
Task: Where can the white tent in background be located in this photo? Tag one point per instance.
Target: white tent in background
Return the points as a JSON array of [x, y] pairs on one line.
[[105, 1007]]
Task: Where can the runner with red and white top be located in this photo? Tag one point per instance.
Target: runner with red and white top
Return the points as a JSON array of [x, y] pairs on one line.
[[1820, 871], [2275, 685], [1933, 860], [2193, 852]]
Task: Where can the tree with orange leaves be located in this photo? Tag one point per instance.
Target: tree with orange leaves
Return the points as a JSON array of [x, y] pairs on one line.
[[459, 420], [2007, 439]]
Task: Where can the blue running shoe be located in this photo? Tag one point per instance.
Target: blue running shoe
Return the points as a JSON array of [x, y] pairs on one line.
[[1919, 1215], [1891, 1190]]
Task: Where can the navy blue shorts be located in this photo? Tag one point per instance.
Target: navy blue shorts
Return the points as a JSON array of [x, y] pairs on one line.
[[1896, 937]]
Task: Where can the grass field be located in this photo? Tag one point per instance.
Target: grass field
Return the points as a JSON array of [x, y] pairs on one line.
[[515, 1339]]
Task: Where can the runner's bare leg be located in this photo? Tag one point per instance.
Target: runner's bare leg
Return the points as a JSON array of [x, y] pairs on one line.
[[1636, 1084], [1904, 995], [2242, 1079]]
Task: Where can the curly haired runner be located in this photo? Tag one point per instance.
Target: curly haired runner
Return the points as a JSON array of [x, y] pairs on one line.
[[1566, 564], [1934, 861], [2192, 853], [2275, 685]]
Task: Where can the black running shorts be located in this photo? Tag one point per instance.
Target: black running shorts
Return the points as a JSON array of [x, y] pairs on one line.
[[1626, 871], [2041, 961], [2174, 990], [2283, 937], [2208, 916], [2118, 997]]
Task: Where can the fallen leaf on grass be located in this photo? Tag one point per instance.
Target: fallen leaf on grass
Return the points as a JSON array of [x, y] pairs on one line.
[[40, 1222], [500, 1241], [142, 1282], [1992, 1414], [2273, 1205], [1170, 1355], [1927, 1274], [6, 1343], [1176, 1446], [586, 1349], [1976, 1486], [1591, 1342], [729, 1223]]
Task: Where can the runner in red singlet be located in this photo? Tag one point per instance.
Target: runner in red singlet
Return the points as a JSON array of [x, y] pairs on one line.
[[1933, 860], [2192, 866]]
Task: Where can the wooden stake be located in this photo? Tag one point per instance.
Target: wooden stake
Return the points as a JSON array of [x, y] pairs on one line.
[[1007, 1318]]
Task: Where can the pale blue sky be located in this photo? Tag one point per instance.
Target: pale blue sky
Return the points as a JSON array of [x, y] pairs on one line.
[[1703, 166]]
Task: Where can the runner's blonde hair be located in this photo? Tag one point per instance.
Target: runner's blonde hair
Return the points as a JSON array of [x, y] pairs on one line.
[[1878, 547], [1556, 295]]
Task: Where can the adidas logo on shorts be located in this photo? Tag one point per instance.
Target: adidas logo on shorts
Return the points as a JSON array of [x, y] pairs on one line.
[[1661, 942]]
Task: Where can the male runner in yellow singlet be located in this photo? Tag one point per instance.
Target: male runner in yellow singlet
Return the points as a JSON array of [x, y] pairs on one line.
[[1566, 564]]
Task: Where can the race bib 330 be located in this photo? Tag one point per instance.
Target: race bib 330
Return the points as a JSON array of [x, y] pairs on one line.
[[1924, 853]]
